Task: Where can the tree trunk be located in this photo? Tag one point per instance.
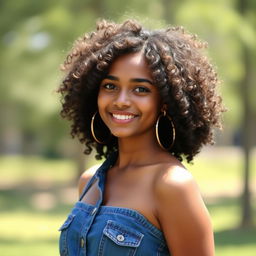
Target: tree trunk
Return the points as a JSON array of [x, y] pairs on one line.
[[247, 124], [168, 14], [247, 139]]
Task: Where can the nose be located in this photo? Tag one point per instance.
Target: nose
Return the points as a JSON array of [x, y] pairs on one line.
[[122, 100]]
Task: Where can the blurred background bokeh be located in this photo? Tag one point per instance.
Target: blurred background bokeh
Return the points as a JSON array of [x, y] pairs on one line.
[[40, 163]]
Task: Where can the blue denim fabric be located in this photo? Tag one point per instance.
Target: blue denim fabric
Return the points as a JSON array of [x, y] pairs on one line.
[[108, 231]]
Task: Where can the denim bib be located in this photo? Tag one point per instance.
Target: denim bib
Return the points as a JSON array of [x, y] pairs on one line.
[[98, 230]]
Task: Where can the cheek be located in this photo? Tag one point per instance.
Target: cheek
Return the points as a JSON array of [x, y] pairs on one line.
[[102, 102], [152, 107]]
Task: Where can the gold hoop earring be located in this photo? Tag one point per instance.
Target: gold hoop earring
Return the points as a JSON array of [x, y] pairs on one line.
[[92, 129], [157, 130]]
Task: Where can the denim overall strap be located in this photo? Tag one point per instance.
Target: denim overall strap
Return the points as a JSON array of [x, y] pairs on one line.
[[98, 175], [91, 181], [101, 175]]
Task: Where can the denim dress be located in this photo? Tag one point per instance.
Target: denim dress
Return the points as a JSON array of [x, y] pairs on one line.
[[98, 230]]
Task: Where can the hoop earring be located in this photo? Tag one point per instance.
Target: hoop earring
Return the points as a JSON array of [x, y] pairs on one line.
[[92, 129], [157, 130]]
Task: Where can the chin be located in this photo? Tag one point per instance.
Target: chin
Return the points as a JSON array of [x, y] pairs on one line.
[[122, 134]]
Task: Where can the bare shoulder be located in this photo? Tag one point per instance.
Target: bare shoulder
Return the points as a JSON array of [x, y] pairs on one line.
[[176, 187], [182, 213], [86, 176], [174, 179]]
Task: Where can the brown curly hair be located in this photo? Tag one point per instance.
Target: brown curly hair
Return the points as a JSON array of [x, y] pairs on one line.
[[185, 79]]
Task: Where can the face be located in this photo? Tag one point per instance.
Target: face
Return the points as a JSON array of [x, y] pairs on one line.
[[128, 102]]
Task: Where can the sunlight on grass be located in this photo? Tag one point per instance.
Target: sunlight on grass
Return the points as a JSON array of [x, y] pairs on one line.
[[30, 234], [232, 250], [225, 216], [29, 226], [221, 172], [32, 248], [34, 168]]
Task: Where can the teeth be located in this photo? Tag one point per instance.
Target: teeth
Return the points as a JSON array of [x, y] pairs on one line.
[[123, 117]]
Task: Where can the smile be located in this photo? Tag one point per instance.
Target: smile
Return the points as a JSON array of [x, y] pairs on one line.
[[123, 117]]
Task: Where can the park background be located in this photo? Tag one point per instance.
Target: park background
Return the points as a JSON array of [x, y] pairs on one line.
[[40, 163]]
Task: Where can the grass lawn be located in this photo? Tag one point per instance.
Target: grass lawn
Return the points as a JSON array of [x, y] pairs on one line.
[[36, 194]]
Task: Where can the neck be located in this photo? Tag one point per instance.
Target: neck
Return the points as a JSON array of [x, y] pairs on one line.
[[136, 151]]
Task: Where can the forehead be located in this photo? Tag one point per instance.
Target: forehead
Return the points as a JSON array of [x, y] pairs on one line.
[[131, 64]]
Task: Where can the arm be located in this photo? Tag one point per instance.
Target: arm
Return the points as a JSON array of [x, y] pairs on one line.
[[182, 214]]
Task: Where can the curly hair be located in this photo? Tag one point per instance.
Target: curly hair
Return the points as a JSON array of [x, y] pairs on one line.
[[186, 81]]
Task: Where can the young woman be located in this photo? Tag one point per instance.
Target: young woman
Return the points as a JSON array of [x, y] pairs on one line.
[[145, 100]]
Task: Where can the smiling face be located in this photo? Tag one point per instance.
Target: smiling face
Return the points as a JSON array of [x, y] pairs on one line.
[[128, 102]]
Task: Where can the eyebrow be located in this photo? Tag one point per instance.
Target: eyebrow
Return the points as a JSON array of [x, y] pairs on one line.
[[136, 80]]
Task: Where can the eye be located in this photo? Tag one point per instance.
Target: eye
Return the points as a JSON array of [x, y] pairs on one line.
[[141, 89], [109, 86]]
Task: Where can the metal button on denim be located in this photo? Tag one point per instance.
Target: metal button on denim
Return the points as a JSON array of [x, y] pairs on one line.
[[120, 238], [93, 211], [82, 242]]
